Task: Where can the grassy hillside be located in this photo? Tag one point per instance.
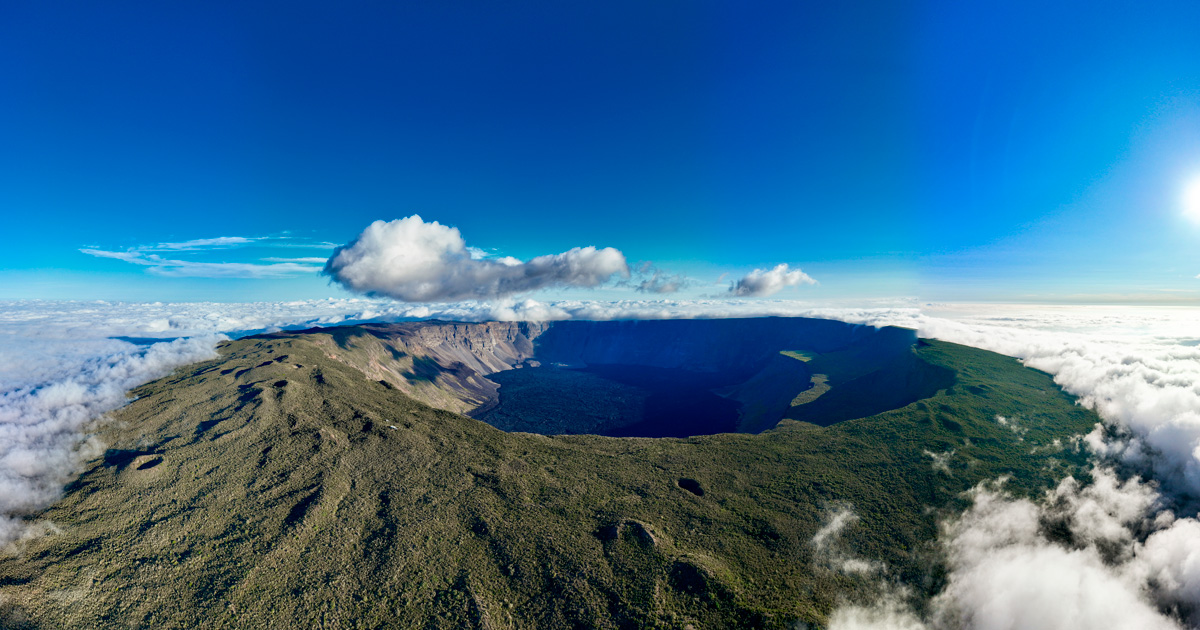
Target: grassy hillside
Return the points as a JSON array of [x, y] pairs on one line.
[[275, 487]]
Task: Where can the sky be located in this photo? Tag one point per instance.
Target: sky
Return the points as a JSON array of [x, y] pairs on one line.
[[956, 151]]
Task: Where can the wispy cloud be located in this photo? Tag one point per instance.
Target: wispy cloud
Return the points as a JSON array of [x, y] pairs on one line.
[[286, 241], [655, 280], [182, 266], [311, 259], [175, 268], [220, 242], [232, 242]]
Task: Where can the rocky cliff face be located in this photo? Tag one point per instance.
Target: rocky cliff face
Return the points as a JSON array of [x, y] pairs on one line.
[[443, 364]]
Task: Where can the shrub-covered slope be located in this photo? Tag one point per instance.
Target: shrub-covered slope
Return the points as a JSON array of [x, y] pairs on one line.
[[279, 487]]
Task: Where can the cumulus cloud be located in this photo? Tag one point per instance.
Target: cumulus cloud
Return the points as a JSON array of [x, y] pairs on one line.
[[414, 261], [764, 282]]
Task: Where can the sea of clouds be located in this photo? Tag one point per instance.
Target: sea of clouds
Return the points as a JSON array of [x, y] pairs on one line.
[[1130, 555]]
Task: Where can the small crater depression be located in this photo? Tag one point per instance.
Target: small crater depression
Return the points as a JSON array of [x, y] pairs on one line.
[[691, 485], [146, 462]]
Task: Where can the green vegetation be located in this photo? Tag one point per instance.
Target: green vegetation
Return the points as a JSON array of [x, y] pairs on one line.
[[277, 487], [799, 355], [818, 385]]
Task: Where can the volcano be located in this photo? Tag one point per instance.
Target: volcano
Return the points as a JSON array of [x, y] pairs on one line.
[[517, 475]]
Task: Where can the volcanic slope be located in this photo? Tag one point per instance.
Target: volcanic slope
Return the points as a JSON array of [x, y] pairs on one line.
[[282, 486]]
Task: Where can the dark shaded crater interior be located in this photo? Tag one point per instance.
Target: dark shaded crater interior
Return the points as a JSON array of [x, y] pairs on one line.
[[682, 378], [614, 400], [691, 485]]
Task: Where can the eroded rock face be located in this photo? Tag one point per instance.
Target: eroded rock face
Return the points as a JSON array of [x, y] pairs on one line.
[[447, 365], [443, 364]]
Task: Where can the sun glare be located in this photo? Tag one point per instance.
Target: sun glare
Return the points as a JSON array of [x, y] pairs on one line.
[[1191, 200]]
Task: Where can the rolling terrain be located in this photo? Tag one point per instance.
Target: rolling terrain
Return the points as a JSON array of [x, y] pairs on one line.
[[329, 479]]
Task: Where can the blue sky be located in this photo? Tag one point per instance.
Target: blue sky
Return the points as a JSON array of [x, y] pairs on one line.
[[946, 151]]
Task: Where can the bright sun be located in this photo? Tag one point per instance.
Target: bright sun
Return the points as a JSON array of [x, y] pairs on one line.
[[1191, 200]]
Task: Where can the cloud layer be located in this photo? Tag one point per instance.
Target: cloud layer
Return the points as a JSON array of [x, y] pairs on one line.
[[43, 423], [414, 261], [1131, 553], [764, 282]]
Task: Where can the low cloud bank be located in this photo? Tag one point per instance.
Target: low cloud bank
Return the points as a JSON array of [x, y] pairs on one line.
[[414, 261], [765, 282], [43, 423], [1073, 560], [1121, 551]]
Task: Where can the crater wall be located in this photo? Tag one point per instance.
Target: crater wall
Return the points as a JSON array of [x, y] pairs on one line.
[[448, 365]]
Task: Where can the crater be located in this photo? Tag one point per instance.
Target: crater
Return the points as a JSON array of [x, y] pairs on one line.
[[691, 485], [698, 377], [646, 378], [148, 462]]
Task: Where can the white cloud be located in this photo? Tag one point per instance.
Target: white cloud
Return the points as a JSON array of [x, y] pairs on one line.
[[309, 259], [174, 268], [1006, 575], [227, 242], [181, 268], [219, 242], [43, 422], [827, 543], [941, 461], [660, 282], [888, 614], [764, 282], [414, 261]]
